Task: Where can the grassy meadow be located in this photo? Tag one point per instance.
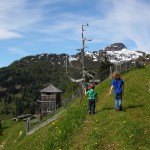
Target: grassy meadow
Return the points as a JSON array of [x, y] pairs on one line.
[[75, 129]]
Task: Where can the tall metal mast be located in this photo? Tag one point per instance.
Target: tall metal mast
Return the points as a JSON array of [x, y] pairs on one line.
[[83, 56], [84, 73]]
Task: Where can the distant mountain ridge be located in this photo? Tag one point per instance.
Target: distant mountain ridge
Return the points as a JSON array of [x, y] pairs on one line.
[[116, 53]]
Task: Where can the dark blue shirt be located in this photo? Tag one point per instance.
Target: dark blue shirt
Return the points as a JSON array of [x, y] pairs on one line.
[[117, 84]]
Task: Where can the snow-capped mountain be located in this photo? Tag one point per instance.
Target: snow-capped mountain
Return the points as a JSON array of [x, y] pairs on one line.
[[123, 55], [115, 53]]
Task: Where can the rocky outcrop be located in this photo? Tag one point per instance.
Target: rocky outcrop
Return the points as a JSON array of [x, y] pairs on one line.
[[115, 47]]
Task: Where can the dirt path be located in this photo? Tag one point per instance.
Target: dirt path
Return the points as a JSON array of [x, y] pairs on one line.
[[81, 136], [1, 147]]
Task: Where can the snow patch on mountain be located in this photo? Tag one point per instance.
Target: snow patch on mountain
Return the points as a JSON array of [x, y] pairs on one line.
[[117, 56], [123, 55], [88, 53], [91, 55], [71, 58]]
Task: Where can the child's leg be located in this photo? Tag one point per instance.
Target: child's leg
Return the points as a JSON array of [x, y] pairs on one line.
[[120, 104], [120, 101], [89, 106], [93, 106], [116, 102], [116, 105]]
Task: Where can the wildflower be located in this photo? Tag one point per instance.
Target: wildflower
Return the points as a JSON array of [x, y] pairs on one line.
[[145, 131], [59, 131], [53, 123], [20, 133], [130, 136]]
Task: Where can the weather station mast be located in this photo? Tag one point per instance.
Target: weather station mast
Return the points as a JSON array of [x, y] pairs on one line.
[[84, 73]]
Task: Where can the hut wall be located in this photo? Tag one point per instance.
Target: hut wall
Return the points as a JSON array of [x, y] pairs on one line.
[[58, 99], [48, 97], [50, 101]]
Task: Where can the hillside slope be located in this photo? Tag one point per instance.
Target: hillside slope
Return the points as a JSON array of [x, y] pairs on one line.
[[75, 129], [129, 129]]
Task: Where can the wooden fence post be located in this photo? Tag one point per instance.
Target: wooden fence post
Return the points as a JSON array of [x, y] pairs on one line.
[[110, 70], [28, 122], [1, 127]]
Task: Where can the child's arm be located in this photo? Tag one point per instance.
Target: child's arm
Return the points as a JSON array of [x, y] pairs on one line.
[[110, 89]]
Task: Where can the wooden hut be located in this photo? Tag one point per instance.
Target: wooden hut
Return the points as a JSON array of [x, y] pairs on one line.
[[50, 99]]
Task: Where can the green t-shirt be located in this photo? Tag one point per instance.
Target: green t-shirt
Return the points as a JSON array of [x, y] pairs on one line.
[[91, 94]]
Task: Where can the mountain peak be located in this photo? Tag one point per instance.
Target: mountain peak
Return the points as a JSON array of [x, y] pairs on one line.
[[115, 47]]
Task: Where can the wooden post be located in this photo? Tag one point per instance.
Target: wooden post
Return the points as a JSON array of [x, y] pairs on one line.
[[28, 125], [1, 128], [40, 116], [126, 66], [120, 68], [110, 75]]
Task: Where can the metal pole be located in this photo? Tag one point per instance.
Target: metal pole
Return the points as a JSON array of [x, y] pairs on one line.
[[83, 61], [83, 56]]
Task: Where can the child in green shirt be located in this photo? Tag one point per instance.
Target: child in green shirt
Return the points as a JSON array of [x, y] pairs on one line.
[[92, 96]]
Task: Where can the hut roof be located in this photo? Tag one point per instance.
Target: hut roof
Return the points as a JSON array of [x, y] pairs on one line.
[[50, 89]]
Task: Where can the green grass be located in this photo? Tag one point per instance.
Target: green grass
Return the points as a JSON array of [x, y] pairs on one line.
[[75, 129], [126, 130]]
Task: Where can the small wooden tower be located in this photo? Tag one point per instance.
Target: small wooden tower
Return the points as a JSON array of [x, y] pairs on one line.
[[50, 99]]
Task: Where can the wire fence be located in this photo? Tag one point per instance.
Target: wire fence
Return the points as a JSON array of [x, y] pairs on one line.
[[120, 67]]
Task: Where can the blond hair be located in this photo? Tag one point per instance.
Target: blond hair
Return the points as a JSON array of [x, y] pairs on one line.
[[116, 75]]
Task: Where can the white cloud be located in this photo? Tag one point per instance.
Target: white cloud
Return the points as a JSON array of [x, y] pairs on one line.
[[6, 34], [17, 17]]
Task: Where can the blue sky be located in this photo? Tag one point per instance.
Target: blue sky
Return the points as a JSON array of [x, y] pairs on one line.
[[30, 27]]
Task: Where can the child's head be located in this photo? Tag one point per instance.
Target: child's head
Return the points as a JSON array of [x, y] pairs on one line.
[[116, 75], [92, 86]]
